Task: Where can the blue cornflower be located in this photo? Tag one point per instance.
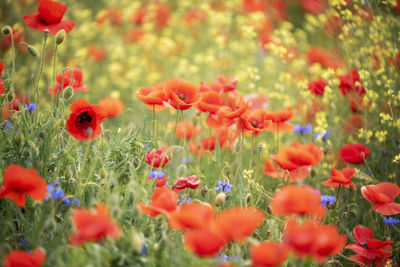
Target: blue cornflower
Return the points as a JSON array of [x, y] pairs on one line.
[[22, 241], [158, 174], [391, 221], [224, 257], [223, 186], [183, 201], [186, 160], [71, 201], [55, 191], [143, 251], [327, 199], [31, 106], [303, 129], [324, 135], [8, 126]]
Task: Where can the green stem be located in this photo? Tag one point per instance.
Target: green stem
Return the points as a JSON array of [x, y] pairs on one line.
[[13, 61], [42, 58], [54, 71], [154, 121]]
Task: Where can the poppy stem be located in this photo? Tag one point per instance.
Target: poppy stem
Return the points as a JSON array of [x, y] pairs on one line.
[[251, 150], [54, 71], [154, 121], [337, 195], [45, 35], [13, 60]]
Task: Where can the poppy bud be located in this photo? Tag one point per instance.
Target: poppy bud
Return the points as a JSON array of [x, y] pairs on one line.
[[137, 240], [313, 173], [248, 198], [103, 173], [34, 148], [19, 138], [60, 36], [10, 96], [46, 33], [220, 199], [260, 147], [50, 225], [68, 93], [6, 30], [204, 190], [33, 51]]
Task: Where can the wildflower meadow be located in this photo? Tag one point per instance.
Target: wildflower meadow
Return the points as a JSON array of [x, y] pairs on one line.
[[199, 133]]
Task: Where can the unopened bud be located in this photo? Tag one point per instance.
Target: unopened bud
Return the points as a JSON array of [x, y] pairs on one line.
[[204, 190], [68, 93], [137, 240], [220, 199], [103, 173], [46, 33], [10, 96], [6, 30], [19, 138], [33, 51], [60, 36], [313, 173]]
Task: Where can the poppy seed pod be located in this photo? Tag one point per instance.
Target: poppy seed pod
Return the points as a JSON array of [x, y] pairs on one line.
[[33, 51], [60, 36], [10, 96], [220, 199], [6, 30]]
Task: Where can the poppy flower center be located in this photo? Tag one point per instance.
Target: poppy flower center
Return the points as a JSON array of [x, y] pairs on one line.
[[84, 118], [255, 124], [182, 97]]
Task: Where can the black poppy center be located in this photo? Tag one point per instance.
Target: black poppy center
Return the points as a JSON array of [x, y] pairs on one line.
[[84, 117]]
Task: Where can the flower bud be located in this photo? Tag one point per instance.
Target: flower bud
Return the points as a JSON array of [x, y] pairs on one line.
[[103, 173], [220, 199], [60, 36], [6, 30], [33, 51], [46, 33], [68, 93], [19, 138], [137, 240], [10, 96]]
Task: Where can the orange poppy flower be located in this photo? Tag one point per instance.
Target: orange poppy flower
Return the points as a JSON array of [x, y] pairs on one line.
[[203, 242], [279, 120], [295, 175], [152, 96], [194, 17], [354, 123], [210, 101], [235, 109], [209, 143], [268, 254], [133, 35], [85, 119], [93, 225], [186, 130], [181, 94], [112, 106], [21, 258], [96, 53], [139, 16], [298, 155], [111, 15], [382, 195], [227, 136], [255, 121], [19, 182], [237, 223], [342, 177], [210, 86], [218, 119], [256, 101], [296, 199], [324, 57], [313, 240], [191, 216], [228, 83], [164, 201], [162, 14]]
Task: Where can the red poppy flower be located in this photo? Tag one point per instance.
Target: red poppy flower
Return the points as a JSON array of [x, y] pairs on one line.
[[317, 87], [76, 84], [210, 101], [324, 57], [162, 14], [295, 199], [139, 16], [93, 225], [84, 121], [235, 108], [21, 258], [111, 15], [312, 239], [181, 94], [152, 96], [203, 242], [313, 6], [342, 177], [184, 182], [186, 130], [354, 123], [295, 175], [49, 16], [227, 136], [156, 158], [237, 223], [268, 254], [96, 53], [382, 195], [354, 153], [351, 83], [18, 36], [191, 216], [250, 6], [164, 201], [132, 36], [279, 120], [194, 17], [228, 83], [210, 86], [256, 101], [112, 106], [19, 182], [160, 180], [369, 249], [255, 121], [298, 155]]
